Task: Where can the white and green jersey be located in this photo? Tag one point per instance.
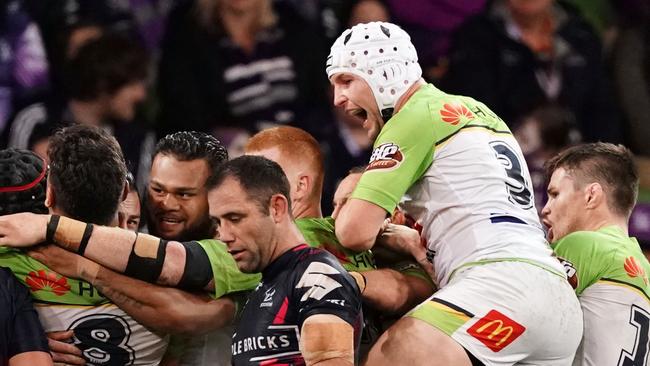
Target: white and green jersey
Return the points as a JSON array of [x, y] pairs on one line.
[[454, 166], [610, 275], [104, 333]]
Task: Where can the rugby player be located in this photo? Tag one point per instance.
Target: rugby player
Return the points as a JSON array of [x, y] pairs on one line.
[[455, 169], [299, 155], [22, 188], [129, 210], [591, 194], [86, 180], [311, 305], [177, 207]]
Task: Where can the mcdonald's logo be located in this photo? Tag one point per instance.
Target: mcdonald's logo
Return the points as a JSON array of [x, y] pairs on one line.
[[496, 331]]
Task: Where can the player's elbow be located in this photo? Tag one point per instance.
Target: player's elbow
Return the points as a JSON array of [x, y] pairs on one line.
[[354, 238]]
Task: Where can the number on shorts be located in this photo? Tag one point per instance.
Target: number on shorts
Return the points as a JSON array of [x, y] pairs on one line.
[[640, 319], [103, 339], [518, 187]]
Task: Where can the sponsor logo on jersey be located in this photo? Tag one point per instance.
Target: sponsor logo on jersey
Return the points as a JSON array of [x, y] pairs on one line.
[[268, 298], [634, 269], [317, 279], [279, 341], [571, 272], [454, 113], [496, 331], [385, 156], [42, 279]]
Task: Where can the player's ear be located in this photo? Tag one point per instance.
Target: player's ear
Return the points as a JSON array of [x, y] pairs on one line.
[[279, 207], [594, 195], [303, 187], [50, 196]]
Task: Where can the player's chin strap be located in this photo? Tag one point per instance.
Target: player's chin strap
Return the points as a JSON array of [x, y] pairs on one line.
[[387, 113]]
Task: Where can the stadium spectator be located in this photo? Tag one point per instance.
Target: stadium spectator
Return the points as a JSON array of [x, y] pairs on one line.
[[521, 54], [592, 191], [431, 25], [430, 150], [23, 62], [104, 82], [631, 70], [241, 64]]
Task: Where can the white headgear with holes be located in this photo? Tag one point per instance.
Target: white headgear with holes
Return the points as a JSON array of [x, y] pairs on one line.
[[383, 55]]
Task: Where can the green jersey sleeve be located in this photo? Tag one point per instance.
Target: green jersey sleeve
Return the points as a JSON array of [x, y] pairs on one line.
[[587, 261], [319, 233], [401, 154], [227, 276]]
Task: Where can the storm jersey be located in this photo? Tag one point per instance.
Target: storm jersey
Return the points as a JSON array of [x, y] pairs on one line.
[[104, 333], [610, 275], [455, 168], [319, 233], [300, 283]]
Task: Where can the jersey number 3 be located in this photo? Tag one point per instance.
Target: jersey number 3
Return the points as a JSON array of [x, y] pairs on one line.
[[640, 319], [516, 184]]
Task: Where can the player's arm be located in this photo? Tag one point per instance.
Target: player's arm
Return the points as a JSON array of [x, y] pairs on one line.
[[33, 358], [28, 344], [327, 340], [141, 256], [391, 291], [164, 309], [359, 223]]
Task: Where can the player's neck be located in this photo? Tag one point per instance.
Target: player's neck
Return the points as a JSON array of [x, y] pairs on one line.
[[288, 237], [302, 210], [407, 95], [601, 220]]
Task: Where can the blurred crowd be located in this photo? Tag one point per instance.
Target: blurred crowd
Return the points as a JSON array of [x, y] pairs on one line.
[[558, 72]]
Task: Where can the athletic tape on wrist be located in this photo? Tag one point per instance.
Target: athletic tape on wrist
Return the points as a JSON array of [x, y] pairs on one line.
[[198, 271], [146, 258], [51, 228], [85, 239], [66, 232]]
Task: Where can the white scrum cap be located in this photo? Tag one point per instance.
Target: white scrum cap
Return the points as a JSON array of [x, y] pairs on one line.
[[383, 55]]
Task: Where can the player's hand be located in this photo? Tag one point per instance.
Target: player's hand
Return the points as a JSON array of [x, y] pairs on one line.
[[23, 229], [402, 239], [64, 353], [65, 263]]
